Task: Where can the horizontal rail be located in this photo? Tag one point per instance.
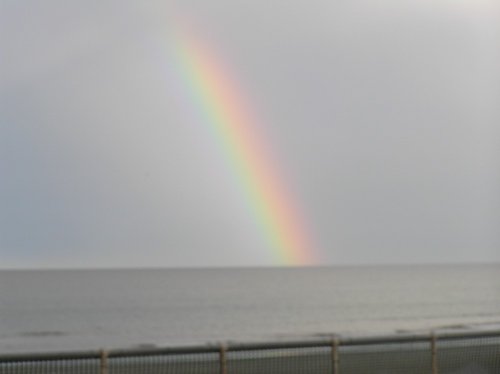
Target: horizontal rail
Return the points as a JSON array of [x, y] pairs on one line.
[[416, 338], [85, 355], [51, 356], [235, 347]]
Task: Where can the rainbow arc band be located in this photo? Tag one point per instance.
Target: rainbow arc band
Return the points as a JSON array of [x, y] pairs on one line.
[[221, 105]]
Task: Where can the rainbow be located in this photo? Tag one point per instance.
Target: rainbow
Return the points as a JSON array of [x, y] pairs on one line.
[[220, 103]]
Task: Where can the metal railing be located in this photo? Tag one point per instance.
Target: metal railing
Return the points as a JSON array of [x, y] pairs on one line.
[[462, 352]]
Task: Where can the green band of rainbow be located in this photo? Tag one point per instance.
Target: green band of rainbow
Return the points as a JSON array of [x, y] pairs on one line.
[[221, 105]]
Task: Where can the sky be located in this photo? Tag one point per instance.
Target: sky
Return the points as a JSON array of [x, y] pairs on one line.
[[380, 120]]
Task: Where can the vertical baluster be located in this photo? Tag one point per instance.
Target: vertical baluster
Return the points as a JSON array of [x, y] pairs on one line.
[[434, 353], [335, 355], [222, 359]]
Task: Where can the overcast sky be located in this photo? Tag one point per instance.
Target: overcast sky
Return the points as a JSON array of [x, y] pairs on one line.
[[384, 116]]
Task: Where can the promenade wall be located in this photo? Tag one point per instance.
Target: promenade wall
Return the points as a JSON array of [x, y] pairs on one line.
[[474, 352]]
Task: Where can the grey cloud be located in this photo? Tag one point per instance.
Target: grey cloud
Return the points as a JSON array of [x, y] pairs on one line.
[[384, 116]]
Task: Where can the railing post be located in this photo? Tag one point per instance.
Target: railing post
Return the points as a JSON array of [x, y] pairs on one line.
[[104, 362], [335, 355], [222, 359], [434, 353]]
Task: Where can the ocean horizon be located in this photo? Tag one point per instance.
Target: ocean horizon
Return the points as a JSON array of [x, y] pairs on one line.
[[76, 309]]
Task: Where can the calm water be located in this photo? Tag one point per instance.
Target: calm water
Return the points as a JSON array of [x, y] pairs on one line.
[[56, 310]]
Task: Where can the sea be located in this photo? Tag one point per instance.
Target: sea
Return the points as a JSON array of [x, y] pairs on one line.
[[61, 310]]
